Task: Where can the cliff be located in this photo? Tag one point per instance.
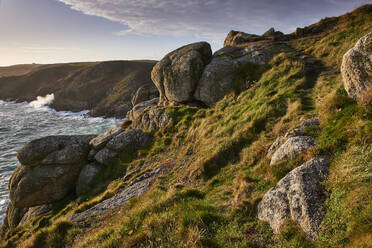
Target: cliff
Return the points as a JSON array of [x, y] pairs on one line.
[[265, 143], [105, 88]]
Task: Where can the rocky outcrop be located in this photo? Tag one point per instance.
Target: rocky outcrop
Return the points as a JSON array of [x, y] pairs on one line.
[[145, 93], [216, 80], [291, 148], [356, 68], [136, 188], [101, 140], [218, 76], [19, 216], [236, 38], [148, 116], [298, 196], [86, 176], [108, 146], [178, 73], [12, 219], [55, 150], [54, 166], [49, 169], [271, 33], [36, 212]]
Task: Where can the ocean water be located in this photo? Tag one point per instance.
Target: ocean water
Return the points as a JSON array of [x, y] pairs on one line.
[[23, 122]]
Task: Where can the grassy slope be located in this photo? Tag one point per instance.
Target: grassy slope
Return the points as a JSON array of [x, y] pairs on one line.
[[220, 170]]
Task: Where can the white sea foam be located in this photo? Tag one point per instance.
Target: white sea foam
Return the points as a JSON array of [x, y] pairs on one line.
[[42, 101]]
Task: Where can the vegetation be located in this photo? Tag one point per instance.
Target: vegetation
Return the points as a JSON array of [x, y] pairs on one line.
[[219, 170]]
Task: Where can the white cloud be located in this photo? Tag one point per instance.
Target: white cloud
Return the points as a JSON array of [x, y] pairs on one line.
[[209, 19]]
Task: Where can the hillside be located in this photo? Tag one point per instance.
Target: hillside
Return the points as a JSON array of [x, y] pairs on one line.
[[17, 70], [210, 163], [105, 88]]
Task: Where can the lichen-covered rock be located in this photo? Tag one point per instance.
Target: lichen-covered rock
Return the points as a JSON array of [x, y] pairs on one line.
[[217, 80], [37, 185], [148, 116], [236, 38], [106, 156], [12, 218], [145, 93], [356, 68], [281, 139], [134, 138], [136, 188], [298, 196], [218, 76], [18, 216], [101, 140], [63, 149], [178, 73], [292, 147], [86, 176], [36, 212], [49, 170]]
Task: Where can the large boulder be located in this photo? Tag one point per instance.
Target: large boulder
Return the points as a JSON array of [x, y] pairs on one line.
[[356, 68], [50, 150], [48, 172], [145, 93], [217, 80], [298, 196], [37, 185], [148, 116], [218, 76], [292, 147], [178, 73]]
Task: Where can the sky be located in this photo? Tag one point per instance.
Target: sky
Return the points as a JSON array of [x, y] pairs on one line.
[[56, 31]]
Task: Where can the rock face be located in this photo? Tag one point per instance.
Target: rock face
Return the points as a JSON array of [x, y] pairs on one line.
[[86, 176], [137, 187], [145, 93], [356, 68], [49, 169], [101, 140], [147, 115], [119, 141], [216, 80], [292, 147], [178, 73], [218, 76], [299, 196]]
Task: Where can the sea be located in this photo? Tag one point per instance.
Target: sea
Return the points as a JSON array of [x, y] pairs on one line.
[[22, 122]]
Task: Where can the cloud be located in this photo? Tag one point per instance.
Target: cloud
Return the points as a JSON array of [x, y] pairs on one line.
[[209, 18]]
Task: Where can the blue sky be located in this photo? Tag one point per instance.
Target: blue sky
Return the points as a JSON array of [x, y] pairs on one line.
[[51, 31]]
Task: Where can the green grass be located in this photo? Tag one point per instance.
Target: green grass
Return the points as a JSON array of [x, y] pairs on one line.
[[218, 169]]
